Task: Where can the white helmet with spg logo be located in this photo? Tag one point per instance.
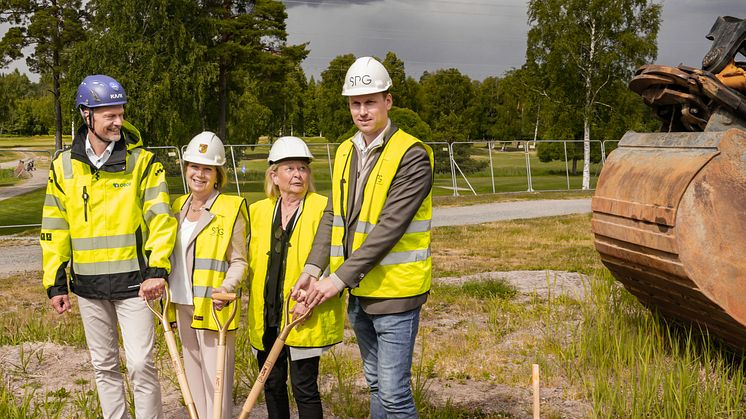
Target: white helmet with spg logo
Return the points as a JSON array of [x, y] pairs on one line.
[[205, 148], [365, 76]]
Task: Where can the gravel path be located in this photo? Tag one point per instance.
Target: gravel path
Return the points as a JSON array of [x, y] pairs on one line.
[[24, 254], [37, 180], [500, 211]]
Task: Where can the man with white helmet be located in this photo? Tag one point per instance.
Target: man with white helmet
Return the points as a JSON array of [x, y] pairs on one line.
[[106, 215], [375, 239]]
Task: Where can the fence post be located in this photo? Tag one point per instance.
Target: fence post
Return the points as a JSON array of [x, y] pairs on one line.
[[492, 169], [181, 171], [452, 160], [528, 167], [567, 167], [235, 171], [329, 160]]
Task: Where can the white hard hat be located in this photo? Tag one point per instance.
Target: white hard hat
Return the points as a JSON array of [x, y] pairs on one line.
[[365, 76], [205, 148], [289, 148]]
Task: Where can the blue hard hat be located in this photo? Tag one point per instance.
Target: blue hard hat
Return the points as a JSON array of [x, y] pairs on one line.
[[99, 90]]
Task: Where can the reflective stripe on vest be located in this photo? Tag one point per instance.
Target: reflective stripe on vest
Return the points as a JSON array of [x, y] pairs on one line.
[[326, 326], [105, 267], [210, 258], [407, 269]]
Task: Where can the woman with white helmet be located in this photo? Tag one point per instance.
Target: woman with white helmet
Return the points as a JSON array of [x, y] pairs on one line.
[[282, 228], [210, 255]]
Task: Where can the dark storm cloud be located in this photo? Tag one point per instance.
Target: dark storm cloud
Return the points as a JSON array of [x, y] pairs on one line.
[[479, 37], [685, 23]]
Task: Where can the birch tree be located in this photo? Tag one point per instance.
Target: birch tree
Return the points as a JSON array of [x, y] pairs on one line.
[[581, 48]]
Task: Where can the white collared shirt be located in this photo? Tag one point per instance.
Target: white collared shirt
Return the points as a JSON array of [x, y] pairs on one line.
[[363, 151], [98, 161]]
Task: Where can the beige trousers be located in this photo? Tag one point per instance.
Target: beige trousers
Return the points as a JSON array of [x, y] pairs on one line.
[[200, 352], [100, 319]]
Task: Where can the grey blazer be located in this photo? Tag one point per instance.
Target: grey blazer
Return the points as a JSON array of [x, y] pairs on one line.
[[411, 185]]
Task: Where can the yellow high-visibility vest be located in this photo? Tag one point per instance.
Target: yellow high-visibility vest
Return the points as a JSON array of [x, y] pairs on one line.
[[211, 259], [113, 223], [326, 326], [406, 270]]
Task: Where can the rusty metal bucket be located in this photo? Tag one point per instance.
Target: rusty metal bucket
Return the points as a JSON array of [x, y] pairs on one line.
[[669, 220]]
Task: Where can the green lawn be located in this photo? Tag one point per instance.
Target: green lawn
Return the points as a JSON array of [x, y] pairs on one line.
[[20, 210], [37, 141], [508, 170]]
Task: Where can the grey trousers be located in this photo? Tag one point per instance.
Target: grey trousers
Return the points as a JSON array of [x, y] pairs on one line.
[[100, 319]]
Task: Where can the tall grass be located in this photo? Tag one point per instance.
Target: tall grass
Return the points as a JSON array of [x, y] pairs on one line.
[[604, 351], [632, 363]]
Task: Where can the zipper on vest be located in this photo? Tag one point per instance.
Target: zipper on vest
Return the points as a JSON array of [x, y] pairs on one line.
[[85, 203], [342, 215]]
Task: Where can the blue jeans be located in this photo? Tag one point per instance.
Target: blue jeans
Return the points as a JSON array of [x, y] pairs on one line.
[[386, 344]]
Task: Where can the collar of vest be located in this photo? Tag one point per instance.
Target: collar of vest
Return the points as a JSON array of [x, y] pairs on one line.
[[118, 160], [210, 201]]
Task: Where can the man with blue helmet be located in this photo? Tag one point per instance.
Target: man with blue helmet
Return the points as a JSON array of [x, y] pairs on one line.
[[107, 218]]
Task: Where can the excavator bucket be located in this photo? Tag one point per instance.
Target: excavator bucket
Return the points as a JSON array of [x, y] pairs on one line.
[[669, 211], [668, 220]]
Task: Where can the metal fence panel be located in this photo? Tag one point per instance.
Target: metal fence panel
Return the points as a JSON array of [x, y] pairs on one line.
[[473, 168], [562, 165]]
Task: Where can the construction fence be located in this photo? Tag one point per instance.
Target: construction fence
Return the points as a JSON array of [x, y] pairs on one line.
[[461, 168]]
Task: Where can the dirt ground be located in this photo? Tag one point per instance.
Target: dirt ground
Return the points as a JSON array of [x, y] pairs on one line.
[[48, 367]]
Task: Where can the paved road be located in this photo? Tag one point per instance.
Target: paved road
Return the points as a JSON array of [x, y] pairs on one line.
[[38, 180], [500, 211], [24, 254]]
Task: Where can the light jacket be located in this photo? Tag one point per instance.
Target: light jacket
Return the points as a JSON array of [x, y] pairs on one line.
[[405, 271], [208, 256], [326, 326], [113, 223]]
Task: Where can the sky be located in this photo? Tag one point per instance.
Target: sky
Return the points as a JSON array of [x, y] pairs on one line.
[[480, 38]]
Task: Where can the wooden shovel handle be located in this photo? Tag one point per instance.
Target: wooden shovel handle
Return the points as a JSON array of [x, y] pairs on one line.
[[224, 296]]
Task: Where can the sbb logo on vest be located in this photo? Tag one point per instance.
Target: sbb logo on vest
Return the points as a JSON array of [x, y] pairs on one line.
[[365, 79]]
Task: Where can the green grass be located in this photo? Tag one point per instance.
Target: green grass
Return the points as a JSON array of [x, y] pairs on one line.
[[605, 350], [630, 362], [7, 178], [20, 210], [37, 141]]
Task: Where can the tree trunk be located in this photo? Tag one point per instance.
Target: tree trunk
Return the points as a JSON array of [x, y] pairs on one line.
[[223, 112], [57, 106], [586, 153], [588, 111], [56, 83]]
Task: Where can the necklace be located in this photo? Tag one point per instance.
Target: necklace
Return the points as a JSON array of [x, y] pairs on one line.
[[287, 212], [286, 217], [192, 209]]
